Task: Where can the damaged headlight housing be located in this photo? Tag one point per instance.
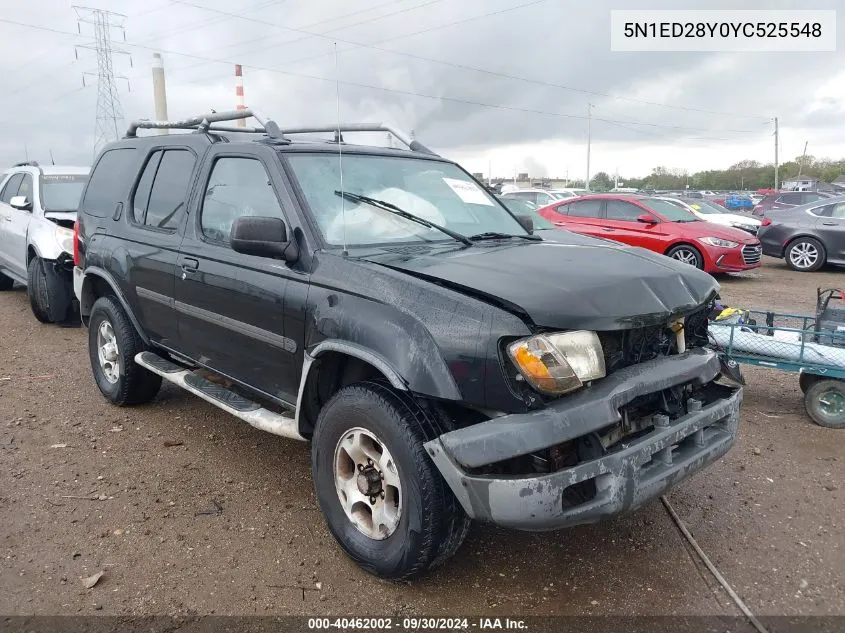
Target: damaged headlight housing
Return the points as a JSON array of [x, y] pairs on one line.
[[65, 239], [557, 363]]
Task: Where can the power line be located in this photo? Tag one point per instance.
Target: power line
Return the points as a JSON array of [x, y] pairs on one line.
[[460, 66], [340, 28], [380, 88]]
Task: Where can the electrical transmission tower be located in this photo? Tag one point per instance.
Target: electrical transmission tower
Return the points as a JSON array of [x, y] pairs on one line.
[[109, 111]]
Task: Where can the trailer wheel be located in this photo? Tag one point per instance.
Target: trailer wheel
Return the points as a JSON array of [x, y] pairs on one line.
[[825, 403]]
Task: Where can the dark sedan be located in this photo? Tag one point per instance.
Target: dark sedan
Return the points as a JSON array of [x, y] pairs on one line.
[[788, 200], [807, 236]]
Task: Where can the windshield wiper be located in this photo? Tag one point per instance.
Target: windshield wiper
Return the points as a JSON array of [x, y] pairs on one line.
[[392, 208], [493, 235]]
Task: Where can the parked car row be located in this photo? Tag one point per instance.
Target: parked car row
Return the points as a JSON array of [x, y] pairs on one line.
[[659, 225]]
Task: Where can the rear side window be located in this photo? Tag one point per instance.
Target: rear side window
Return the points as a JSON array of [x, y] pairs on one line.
[[109, 182], [142, 192], [810, 197], [790, 198], [11, 188], [584, 209], [166, 203]]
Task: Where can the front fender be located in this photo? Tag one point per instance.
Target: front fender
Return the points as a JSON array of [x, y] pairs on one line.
[[391, 340], [42, 238]]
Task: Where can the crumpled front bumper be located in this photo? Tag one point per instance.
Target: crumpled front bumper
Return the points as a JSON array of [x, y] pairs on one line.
[[625, 479]]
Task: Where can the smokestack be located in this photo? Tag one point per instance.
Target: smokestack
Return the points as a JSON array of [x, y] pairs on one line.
[[239, 93], [159, 90]]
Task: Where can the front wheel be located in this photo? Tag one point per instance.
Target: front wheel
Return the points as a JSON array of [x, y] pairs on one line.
[[37, 290], [825, 403], [687, 254], [113, 343], [383, 498], [806, 255]]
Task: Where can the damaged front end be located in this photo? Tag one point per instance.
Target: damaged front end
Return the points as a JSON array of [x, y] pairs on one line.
[[658, 417]]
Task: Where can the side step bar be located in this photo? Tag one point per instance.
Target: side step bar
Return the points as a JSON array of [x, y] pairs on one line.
[[250, 412]]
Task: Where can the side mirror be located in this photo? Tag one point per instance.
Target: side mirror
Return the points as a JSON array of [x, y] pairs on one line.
[[263, 237], [645, 218], [20, 202], [527, 223]]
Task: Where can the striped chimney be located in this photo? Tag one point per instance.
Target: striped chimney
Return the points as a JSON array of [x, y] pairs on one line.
[[239, 92]]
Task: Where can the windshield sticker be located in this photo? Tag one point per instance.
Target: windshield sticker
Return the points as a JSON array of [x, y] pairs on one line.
[[63, 178], [468, 192], [696, 206]]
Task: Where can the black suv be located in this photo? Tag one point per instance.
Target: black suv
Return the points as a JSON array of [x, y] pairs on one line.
[[445, 363]]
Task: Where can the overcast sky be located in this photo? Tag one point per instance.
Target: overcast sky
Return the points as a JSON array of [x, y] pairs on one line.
[[527, 121]]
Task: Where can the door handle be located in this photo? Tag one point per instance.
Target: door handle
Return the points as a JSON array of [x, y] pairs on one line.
[[604, 228], [190, 264], [830, 223]]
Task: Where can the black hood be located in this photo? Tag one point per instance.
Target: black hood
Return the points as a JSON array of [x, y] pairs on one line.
[[567, 282]]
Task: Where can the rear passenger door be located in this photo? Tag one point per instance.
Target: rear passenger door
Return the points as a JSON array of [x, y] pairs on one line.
[[584, 216], [241, 315], [831, 228], [154, 223]]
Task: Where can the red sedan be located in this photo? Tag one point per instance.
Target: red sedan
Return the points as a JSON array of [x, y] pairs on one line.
[[659, 226]]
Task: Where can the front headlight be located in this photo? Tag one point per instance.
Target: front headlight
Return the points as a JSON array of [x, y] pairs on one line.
[[558, 363], [744, 227], [65, 239], [716, 241]]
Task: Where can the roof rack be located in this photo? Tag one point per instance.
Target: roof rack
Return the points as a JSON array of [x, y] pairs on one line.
[[203, 123], [206, 123], [414, 146], [26, 163]]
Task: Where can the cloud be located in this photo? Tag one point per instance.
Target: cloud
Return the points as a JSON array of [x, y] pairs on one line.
[[546, 62]]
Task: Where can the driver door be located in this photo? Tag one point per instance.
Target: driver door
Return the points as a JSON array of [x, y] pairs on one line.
[[17, 225], [9, 191]]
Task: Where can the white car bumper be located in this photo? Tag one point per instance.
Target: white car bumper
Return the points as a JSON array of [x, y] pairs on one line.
[[78, 275]]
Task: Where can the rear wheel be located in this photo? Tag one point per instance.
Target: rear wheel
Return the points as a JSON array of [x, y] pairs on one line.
[[687, 254], [383, 498], [825, 403], [806, 255], [113, 343]]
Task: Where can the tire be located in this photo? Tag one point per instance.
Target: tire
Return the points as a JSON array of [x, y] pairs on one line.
[[425, 524], [825, 403], [37, 291], [687, 254], [6, 283], [805, 254], [805, 380], [126, 382]]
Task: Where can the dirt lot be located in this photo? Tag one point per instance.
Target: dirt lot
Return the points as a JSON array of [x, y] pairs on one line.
[[186, 510]]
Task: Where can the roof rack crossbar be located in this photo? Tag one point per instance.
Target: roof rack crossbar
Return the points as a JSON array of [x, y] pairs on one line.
[[414, 146], [203, 123]]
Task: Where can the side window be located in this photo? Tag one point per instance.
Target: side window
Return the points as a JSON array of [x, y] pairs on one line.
[[11, 188], [838, 210], [170, 188], [543, 199], [25, 188], [809, 197], [142, 192], [585, 209], [109, 182], [237, 187], [621, 210], [790, 198]]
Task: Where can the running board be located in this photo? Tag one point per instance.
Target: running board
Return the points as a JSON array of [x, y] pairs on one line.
[[250, 412]]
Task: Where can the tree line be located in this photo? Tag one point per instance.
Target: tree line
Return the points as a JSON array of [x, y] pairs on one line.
[[744, 175]]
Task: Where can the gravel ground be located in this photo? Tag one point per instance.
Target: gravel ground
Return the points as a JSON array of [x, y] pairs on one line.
[[188, 511]]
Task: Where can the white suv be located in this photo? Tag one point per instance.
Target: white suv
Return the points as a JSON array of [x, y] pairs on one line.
[[37, 212]]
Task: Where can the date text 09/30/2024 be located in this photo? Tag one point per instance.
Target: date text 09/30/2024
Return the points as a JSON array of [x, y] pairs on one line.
[[417, 624]]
